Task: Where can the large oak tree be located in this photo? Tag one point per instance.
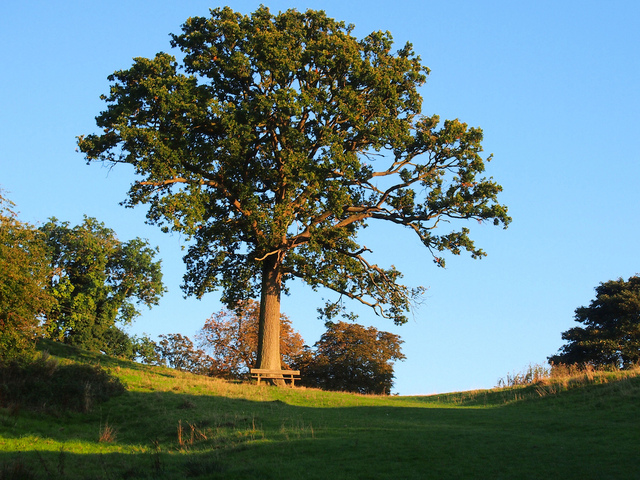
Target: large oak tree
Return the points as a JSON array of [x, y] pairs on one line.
[[273, 139]]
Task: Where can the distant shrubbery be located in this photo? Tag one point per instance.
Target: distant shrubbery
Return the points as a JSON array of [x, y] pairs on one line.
[[178, 351], [537, 381], [348, 357]]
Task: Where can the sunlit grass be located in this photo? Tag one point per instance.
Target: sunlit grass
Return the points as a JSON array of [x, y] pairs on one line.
[[170, 424]]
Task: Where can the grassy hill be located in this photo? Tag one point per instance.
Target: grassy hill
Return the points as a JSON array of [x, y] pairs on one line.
[[172, 425]]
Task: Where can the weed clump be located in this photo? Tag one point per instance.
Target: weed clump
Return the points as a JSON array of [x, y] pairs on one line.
[[44, 384], [531, 375], [537, 380]]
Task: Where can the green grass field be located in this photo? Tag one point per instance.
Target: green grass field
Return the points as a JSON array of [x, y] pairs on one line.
[[171, 425]]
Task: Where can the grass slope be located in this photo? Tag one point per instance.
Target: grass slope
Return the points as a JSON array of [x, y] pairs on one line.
[[171, 425]]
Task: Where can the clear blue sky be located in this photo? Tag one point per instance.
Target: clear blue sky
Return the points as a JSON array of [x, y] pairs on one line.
[[553, 84]]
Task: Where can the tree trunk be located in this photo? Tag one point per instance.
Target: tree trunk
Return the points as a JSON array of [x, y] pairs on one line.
[[269, 324]]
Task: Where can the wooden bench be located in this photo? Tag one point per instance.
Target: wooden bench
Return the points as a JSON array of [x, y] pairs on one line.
[[262, 373]]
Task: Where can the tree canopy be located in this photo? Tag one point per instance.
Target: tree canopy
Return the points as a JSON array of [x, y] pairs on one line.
[[24, 275], [98, 281], [349, 357], [610, 331], [273, 140], [179, 352]]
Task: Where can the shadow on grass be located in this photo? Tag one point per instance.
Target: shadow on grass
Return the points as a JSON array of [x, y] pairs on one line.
[[167, 435]]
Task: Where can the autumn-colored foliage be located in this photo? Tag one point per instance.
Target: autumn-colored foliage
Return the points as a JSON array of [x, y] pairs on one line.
[[349, 357], [24, 273], [231, 338]]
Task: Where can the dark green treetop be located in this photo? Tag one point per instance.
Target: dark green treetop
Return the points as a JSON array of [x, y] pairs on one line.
[[610, 331]]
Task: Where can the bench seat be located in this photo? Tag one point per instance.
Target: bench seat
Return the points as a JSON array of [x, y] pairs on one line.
[[262, 373]]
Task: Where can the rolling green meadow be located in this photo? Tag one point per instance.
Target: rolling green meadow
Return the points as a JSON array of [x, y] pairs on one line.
[[174, 425]]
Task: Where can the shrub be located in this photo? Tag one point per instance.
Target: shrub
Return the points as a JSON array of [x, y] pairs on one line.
[[531, 375], [351, 358], [45, 384]]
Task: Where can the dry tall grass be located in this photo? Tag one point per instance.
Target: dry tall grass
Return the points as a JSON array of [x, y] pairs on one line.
[[558, 378], [565, 377]]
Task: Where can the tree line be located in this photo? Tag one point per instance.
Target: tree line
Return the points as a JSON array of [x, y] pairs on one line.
[[82, 286], [348, 356]]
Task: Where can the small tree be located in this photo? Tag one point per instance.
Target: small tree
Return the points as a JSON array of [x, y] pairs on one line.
[[97, 281], [146, 350], [231, 338], [273, 140], [349, 357], [610, 334], [24, 274], [179, 352]]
